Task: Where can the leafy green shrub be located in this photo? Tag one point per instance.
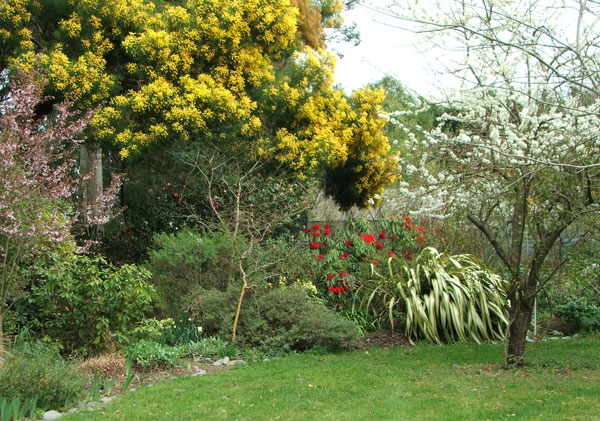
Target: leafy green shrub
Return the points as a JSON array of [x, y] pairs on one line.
[[579, 315], [284, 318], [151, 353], [83, 302], [182, 261], [35, 370], [206, 347], [152, 329], [450, 297]]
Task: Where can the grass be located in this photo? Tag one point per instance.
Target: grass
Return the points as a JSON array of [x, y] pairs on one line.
[[428, 382]]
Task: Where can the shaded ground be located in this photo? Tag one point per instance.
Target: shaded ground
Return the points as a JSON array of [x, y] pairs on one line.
[[383, 340]]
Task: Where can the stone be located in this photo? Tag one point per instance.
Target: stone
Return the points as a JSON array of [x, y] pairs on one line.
[[52, 415], [199, 373], [107, 399], [131, 390], [237, 362], [91, 404], [72, 411]]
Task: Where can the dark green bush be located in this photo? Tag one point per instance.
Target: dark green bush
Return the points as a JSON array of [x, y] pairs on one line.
[[182, 261], [36, 370], [579, 315], [273, 318], [85, 303]]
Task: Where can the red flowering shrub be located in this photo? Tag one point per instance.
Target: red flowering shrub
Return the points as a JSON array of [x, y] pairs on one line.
[[346, 257]]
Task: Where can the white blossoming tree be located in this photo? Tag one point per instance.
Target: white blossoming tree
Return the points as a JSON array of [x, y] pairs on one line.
[[521, 154]]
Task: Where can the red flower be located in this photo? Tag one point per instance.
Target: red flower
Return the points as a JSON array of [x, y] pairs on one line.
[[316, 234], [407, 219], [390, 253], [406, 226], [314, 245], [421, 229], [327, 226], [330, 276], [307, 229], [316, 226], [331, 288], [320, 257], [327, 231], [413, 226], [348, 243], [378, 245], [421, 238], [382, 235], [406, 254], [375, 262], [393, 237], [368, 238], [345, 254], [342, 274]]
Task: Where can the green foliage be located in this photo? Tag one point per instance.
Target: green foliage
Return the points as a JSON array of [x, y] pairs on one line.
[[445, 297], [210, 347], [151, 353], [273, 318], [16, 409], [185, 260], [152, 329], [35, 370], [83, 302], [579, 315], [184, 332]]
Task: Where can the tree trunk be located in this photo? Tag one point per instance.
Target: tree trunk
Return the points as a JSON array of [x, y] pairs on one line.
[[521, 310], [90, 167], [1, 340]]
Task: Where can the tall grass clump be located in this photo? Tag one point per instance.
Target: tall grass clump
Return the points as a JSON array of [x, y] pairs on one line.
[[35, 370]]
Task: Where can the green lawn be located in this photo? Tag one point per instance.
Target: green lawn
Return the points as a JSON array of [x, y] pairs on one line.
[[561, 381]]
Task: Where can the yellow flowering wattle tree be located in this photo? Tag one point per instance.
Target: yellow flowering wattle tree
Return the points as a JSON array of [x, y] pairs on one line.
[[244, 73]]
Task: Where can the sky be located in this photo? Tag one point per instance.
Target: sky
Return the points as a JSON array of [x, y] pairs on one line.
[[385, 50]]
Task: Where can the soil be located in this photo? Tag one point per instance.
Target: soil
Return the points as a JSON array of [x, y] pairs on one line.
[[383, 340]]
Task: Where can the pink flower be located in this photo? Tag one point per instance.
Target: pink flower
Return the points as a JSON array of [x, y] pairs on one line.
[[67, 308], [168, 184]]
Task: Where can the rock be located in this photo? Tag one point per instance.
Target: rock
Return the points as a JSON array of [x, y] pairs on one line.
[[91, 404], [199, 373], [566, 337], [237, 362], [72, 411], [107, 399], [131, 390], [222, 361], [266, 360], [553, 338], [52, 415]]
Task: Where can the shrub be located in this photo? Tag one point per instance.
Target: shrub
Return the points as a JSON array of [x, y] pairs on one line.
[[83, 302], [207, 347], [182, 261], [449, 297], [35, 370], [283, 318], [579, 315], [151, 353]]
